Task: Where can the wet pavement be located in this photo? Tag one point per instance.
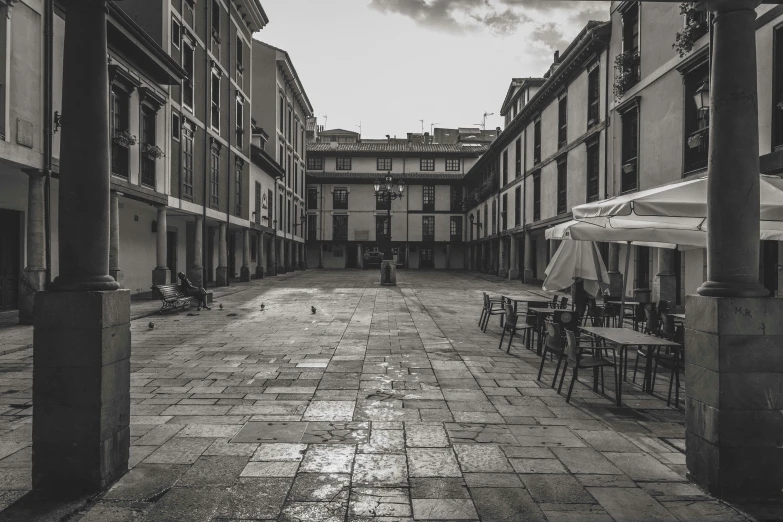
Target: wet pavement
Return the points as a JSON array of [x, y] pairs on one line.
[[385, 404]]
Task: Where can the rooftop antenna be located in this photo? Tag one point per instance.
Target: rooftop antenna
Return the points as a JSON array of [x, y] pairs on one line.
[[422, 126], [325, 118], [484, 121], [433, 125]]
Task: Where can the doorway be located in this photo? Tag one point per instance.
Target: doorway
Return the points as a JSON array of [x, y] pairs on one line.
[[768, 271], [350, 256], [210, 266], [425, 258], [232, 254], [10, 262], [171, 254]]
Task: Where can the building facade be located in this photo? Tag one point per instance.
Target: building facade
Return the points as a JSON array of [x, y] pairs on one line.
[[345, 219]]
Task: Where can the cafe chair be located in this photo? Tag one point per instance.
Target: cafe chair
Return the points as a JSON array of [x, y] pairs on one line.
[[492, 306], [563, 302], [672, 359], [580, 361], [553, 345], [596, 315], [514, 325], [651, 327]]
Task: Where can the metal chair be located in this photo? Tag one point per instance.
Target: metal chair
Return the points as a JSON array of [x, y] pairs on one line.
[[650, 327], [553, 345], [513, 325], [579, 362], [491, 307], [563, 302], [673, 358]]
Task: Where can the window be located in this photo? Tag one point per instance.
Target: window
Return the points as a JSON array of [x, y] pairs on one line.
[[455, 229], [777, 96], [630, 149], [631, 43], [384, 164], [215, 100], [187, 83], [120, 154], [697, 122], [238, 189], [340, 228], [642, 267], [452, 164], [428, 228], [494, 216], [562, 186], [456, 198], [281, 117], [257, 214], [381, 228], [312, 198], [381, 202], [280, 211], [428, 198], [176, 33], [504, 212], [593, 95], [343, 163], [215, 27], [486, 215], [296, 177], [505, 168], [562, 120], [312, 226], [518, 206], [187, 161], [175, 127], [427, 164], [240, 47], [271, 201], [340, 199], [518, 157], [593, 171], [281, 157], [537, 141], [240, 119], [290, 124], [147, 142], [537, 196], [315, 163], [425, 259], [214, 190]]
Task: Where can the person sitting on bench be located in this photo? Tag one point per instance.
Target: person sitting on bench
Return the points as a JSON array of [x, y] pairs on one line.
[[194, 291]]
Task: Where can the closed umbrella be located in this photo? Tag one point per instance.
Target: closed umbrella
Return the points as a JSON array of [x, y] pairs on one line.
[[576, 261]]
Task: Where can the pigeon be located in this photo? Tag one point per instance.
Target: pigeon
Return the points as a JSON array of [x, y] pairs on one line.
[[262, 306], [312, 309], [221, 306], [231, 315], [151, 325]]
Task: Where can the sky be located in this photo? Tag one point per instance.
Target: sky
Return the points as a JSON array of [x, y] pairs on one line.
[[387, 64]]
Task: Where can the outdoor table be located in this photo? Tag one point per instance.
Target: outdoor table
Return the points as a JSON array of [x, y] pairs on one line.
[[627, 304], [623, 338]]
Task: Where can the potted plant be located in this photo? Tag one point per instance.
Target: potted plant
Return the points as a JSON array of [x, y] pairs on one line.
[[124, 138], [695, 28], [152, 151], [626, 72]]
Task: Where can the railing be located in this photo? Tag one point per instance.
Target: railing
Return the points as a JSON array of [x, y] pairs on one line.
[[148, 171], [120, 160]]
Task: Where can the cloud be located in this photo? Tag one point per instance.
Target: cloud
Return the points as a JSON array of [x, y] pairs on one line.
[[455, 16], [549, 35]]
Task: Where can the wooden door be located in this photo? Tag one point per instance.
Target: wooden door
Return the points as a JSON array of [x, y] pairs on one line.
[[10, 262]]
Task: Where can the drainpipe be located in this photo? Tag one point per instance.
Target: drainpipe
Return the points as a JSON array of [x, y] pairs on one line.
[[230, 186], [48, 134], [207, 162], [524, 201], [606, 134]]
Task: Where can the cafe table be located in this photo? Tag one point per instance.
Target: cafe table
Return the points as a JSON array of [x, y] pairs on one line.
[[622, 339], [632, 304]]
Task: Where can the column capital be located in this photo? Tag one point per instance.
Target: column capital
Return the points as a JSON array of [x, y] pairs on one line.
[[33, 172], [726, 6], [117, 194]]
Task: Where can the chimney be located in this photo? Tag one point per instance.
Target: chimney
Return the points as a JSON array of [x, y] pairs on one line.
[[557, 56]]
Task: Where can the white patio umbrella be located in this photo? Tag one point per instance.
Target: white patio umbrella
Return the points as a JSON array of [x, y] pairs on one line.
[[576, 261]]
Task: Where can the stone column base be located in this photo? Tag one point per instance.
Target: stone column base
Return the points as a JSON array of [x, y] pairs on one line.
[[33, 282], [81, 390], [513, 274], [259, 272], [527, 276], [117, 275], [615, 284], [221, 276], [503, 273], [162, 276], [244, 274], [388, 273], [734, 396], [196, 276]]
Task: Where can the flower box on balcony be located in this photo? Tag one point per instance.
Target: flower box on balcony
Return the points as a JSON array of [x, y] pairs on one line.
[[124, 139], [152, 151]]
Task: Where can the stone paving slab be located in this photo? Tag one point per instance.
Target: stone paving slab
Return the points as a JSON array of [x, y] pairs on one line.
[[386, 404]]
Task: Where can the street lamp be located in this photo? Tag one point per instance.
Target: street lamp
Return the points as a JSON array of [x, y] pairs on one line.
[[385, 189], [702, 99]]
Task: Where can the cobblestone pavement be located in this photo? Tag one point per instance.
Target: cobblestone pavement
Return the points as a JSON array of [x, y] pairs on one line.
[[385, 404]]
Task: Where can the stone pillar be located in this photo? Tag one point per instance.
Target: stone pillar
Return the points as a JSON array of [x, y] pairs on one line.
[[82, 339], [282, 261], [296, 255], [513, 269], [780, 269], [665, 283], [503, 261], [196, 272], [530, 258], [613, 270], [448, 257], [260, 261], [114, 237], [35, 272], [320, 255], [734, 366], [222, 269], [161, 275], [244, 272], [289, 255], [273, 255], [359, 257]]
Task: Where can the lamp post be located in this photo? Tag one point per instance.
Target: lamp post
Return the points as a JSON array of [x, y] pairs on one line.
[[302, 219], [386, 190]]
